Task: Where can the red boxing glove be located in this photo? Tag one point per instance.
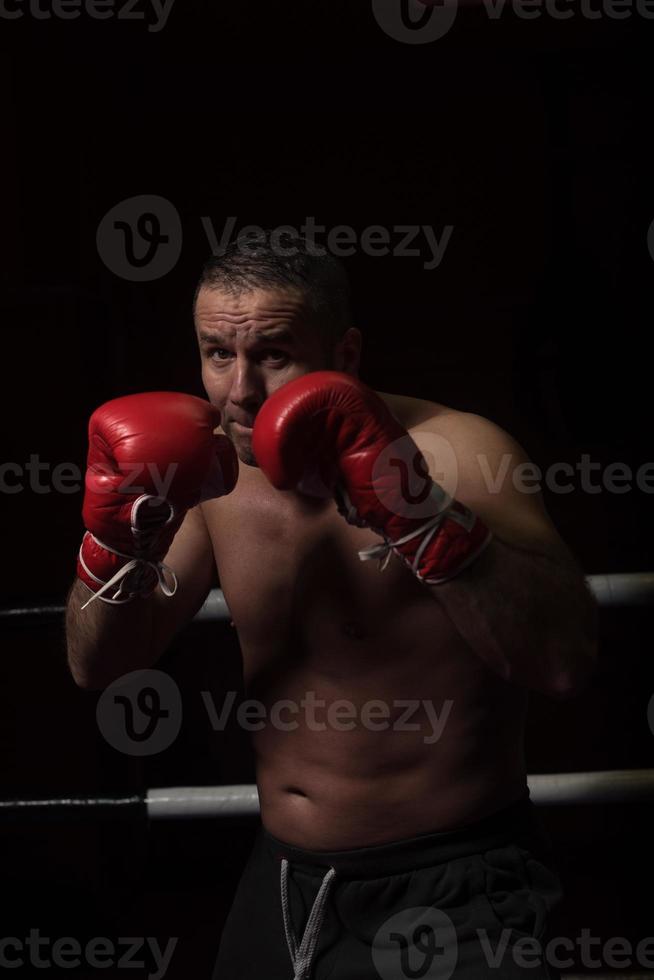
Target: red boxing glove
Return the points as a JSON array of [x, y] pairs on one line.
[[151, 457], [330, 426]]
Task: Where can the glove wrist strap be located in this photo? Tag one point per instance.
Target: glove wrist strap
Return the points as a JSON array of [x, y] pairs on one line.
[[450, 540], [135, 576]]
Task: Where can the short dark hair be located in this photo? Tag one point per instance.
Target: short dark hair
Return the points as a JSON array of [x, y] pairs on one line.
[[281, 258]]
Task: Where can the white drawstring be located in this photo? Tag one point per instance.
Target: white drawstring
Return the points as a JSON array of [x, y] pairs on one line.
[[302, 956]]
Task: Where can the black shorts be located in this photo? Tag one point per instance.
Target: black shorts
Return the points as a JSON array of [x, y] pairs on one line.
[[470, 903]]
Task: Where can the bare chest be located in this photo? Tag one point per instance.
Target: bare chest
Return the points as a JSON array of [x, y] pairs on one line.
[[301, 599]]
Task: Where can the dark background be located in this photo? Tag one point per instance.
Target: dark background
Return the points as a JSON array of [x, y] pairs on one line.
[[531, 139]]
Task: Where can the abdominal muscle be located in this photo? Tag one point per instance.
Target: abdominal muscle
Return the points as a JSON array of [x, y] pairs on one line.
[[426, 741]]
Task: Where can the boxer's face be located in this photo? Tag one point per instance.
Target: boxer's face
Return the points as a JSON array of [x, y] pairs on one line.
[[252, 344]]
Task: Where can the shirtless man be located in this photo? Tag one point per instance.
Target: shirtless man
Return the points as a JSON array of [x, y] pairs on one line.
[[391, 845]]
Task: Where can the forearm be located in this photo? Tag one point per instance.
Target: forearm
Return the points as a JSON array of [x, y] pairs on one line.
[[105, 641], [530, 616]]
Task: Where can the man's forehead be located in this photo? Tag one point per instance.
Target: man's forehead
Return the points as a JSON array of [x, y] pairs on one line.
[[258, 306]]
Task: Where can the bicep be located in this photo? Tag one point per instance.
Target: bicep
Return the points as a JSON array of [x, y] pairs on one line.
[[191, 558]]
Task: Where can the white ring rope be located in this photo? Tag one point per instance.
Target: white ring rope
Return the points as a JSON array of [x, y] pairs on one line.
[[619, 589]]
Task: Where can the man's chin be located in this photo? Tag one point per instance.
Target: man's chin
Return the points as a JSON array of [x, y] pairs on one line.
[[246, 455]]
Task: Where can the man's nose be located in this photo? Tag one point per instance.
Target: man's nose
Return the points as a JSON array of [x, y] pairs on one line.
[[247, 387]]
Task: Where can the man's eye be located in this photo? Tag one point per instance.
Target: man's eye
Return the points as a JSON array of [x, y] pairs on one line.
[[222, 354], [217, 353]]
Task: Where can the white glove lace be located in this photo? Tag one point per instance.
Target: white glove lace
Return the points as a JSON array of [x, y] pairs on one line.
[[131, 576], [429, 529]]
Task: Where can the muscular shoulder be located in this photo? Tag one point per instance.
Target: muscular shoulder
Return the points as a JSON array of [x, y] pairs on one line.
[[474, 434], [412, 412], [469, 431], [463, 441]]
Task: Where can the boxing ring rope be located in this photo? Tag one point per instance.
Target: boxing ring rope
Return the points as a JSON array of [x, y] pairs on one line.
[[241, 803], [551, 789], [617, 589]]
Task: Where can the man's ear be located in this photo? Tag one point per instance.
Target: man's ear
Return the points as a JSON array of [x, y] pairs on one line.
[[347, 352]]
